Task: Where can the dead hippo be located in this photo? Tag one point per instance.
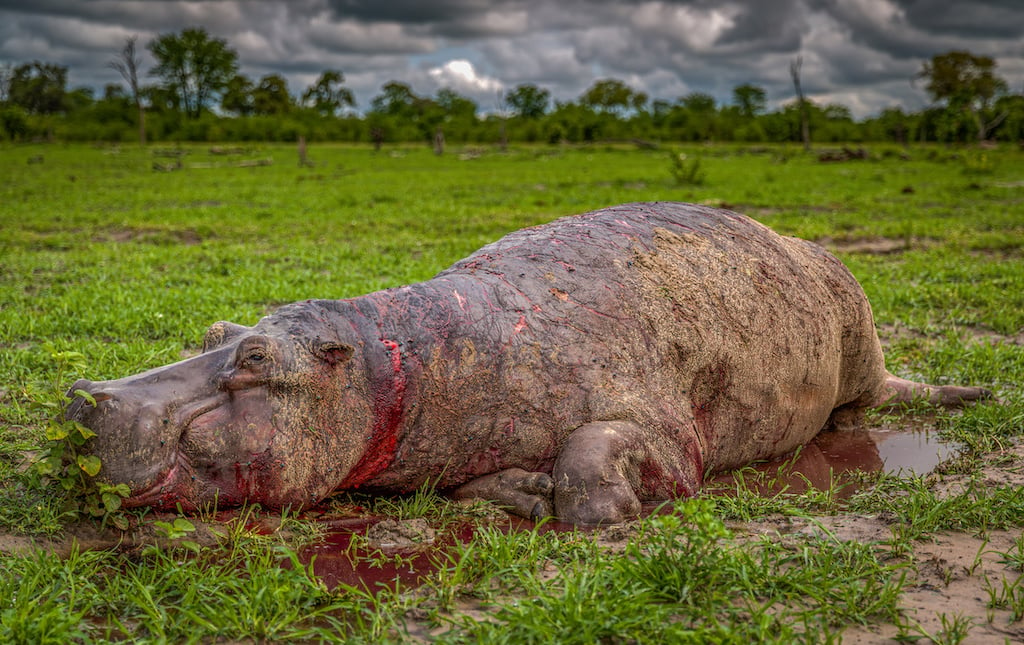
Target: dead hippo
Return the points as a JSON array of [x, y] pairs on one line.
[[574, 369]]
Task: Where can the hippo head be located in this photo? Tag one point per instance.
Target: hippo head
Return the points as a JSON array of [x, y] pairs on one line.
[[269, 414]]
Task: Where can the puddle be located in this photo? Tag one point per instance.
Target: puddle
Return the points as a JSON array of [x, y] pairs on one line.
[[349, 555], [346, 558], [831, 455]]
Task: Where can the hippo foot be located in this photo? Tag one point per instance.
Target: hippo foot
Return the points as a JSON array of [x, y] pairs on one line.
[[899, 390], [595, 479], [521, 492], [593, 473]]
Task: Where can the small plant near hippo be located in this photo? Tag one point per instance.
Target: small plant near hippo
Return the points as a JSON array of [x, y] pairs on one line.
[[955, 628], [686, 172], [1014, 557], [1006, 595], [174, 531], [61, 459]]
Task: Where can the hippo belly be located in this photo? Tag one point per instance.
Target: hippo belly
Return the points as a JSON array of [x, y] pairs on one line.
[[573, 369]]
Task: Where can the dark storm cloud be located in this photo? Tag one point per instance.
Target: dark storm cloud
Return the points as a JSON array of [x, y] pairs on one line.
[[1002, 19], [921, 28], [767, 26], [448, 18], [861, 52]]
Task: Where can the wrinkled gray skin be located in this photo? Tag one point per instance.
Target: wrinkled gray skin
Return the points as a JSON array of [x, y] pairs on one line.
[[574, 369]]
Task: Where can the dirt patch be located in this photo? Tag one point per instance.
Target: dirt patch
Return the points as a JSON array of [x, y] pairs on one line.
[[951, 580], [843, 154], [400, 534], [87, 535], [988, 336], [147, 235], [872, 245], [1000, 469], [889, 333]]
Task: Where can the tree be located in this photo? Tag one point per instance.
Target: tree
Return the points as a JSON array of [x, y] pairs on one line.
[[968, 84], [528, 101], [39, 87], [327, 95], [613, 96], [698, 102], [805, 118], [237, 96], [455, 105], [395, 99], [750, 99], [1012, 128], [698, 116], [271, 95], [127, 65], [78, 99], [895, 125], [194, 66]]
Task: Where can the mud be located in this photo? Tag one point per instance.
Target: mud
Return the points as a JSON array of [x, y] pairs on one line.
[[871, 246], [834, 458], [950, 576]]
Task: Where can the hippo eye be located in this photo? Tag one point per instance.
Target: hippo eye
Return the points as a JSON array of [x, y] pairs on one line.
[[254, 356]]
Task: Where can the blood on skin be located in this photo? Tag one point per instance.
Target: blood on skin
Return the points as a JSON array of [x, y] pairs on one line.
[[388, 400], [520, 326]]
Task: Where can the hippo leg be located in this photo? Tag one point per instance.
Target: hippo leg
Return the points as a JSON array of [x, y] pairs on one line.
[[598, 472], [898, 390], [524, 493]]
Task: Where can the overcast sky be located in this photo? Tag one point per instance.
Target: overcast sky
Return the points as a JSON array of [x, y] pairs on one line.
[[861, 53]]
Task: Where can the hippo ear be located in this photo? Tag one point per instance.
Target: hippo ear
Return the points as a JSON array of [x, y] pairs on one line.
[[220, 333], [333, 353]]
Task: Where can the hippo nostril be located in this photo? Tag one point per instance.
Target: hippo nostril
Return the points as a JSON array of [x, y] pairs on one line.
[[80, 384], [89, 387]]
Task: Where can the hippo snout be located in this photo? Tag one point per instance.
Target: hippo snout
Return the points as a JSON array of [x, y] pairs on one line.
[[135, 440]]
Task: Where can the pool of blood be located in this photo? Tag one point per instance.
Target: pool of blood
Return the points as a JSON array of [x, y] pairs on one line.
[[829, 458]]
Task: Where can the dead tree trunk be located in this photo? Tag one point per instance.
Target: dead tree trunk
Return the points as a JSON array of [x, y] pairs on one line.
[[127, 65], [439, 141], [805, 126]]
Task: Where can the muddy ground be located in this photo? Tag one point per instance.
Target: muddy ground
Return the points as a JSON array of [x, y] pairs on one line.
[[952, 573]]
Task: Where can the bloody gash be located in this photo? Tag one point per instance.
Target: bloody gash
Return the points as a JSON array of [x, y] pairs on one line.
[[574, 369]]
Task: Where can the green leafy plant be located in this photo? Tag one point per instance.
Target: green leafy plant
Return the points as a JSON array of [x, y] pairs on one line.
[[62, 459], [175, 530], [978, 163], [686, 172]]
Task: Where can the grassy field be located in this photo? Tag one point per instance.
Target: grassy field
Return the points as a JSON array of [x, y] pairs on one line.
[[126, 255]]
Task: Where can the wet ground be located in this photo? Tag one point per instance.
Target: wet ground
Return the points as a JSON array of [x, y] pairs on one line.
[[371, 552], [833, 456]]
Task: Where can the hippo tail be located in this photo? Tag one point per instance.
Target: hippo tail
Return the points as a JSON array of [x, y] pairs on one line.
[[899, 390]]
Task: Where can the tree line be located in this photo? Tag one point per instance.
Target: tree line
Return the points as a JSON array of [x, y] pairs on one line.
[[199, 95]]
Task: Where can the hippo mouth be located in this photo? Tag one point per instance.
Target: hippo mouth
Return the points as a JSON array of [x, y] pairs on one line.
[[169, 481], [186, 416], [165, 484]]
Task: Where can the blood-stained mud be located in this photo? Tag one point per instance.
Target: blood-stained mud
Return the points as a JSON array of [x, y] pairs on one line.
[[358, 552], [833, 458], [376, 553]]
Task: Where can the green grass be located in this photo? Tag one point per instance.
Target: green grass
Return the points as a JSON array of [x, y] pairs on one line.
[[102, 255]]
